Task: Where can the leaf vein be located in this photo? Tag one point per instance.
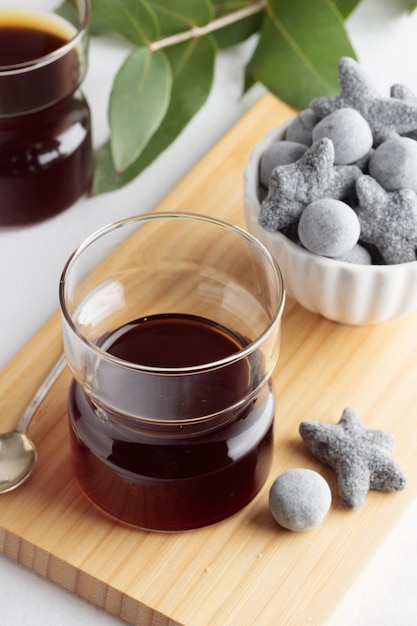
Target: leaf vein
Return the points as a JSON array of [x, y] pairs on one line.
[[294, 45]]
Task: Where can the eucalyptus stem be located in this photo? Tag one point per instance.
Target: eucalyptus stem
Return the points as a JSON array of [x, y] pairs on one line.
[[217, 24]]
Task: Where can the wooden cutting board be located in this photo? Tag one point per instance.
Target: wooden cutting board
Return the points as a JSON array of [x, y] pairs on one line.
[[245, 570]]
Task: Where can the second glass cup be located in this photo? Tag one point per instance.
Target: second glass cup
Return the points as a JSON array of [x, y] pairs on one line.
[[171, 328], [46, 156]]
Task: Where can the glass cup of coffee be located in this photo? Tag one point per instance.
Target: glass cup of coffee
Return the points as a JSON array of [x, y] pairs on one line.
[[171, 326], [45, 133]]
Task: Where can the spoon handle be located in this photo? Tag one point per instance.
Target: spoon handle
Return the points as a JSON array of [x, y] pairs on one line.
[[33, 405]]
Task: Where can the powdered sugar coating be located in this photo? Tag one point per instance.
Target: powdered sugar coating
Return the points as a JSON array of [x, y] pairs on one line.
[[279, 153], [360, 456], [394, 164], [329, 227], [299, 499], [350, 133]]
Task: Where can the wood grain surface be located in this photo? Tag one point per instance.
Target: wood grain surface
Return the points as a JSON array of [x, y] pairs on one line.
[[246, 570]]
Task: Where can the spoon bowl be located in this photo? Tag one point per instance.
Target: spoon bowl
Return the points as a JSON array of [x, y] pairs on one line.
[[18, 457], [18, 454]]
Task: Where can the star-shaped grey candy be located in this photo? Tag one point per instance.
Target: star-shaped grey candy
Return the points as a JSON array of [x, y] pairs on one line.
[[388, 220], [387, 117], [360, 456], [314, 176], [405, 93]]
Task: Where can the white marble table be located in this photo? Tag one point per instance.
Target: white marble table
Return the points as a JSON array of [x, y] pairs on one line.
[[31, 259]]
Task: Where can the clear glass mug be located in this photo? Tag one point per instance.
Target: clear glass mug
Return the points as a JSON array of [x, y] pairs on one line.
[[171, 326], [45, 131]]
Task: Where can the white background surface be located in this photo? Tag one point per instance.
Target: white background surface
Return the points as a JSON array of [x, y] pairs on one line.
[[31, 260]]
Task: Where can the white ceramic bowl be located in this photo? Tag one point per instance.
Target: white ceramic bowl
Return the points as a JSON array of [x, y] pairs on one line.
[[344, 292]]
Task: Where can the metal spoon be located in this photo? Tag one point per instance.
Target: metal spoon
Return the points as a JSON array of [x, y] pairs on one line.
[[17, 452]]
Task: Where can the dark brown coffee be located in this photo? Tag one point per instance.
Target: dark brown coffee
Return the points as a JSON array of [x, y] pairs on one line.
[[163, 480], [45, 134]]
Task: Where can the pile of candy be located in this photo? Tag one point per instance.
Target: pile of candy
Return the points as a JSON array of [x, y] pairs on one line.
[[343, 180]]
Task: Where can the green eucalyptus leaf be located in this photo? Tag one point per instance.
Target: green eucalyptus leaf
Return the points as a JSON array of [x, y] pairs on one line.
[[298, 50], [132, 19], [346, 7], [105, 178], [138, 103], [249, 82], [180, 15], [192, 65], [98, 27], [240, 30]]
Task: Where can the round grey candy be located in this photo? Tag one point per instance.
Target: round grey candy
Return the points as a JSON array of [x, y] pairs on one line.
[[299, 499], [394, 164], [329, 227], [358, 254], [279, 153], [300, 128], [350, 133]]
